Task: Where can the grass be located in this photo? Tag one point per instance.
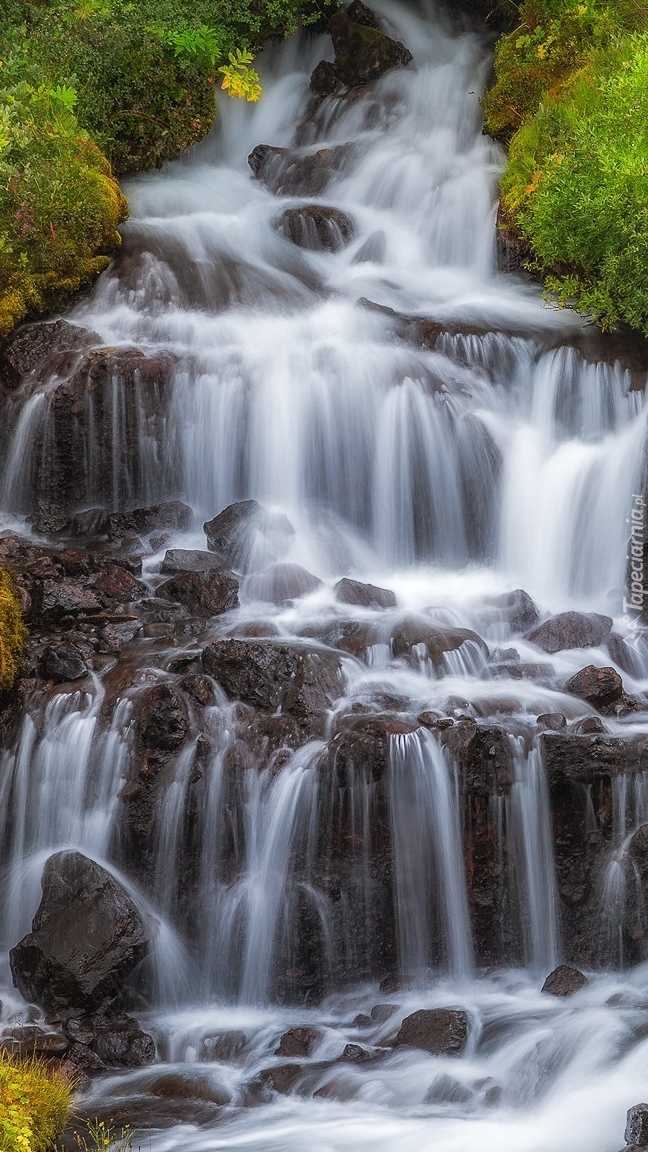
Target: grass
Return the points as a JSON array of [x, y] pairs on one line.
[[34, 1105], [13, 634]]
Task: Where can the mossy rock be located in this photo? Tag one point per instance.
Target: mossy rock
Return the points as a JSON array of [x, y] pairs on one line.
[[13, 632], [363, 53]]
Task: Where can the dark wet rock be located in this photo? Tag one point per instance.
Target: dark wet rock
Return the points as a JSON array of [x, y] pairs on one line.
[[517, 609], [355, 1054], [555, 721], [86, 938], [298, 1041], [600, 687], [55, 601], [364, 53], [281, 582], [571, 630], [352, 636], [316, 227], [363, 743], [189, 560], [121, 1043], [440, 1031], [222, 1046], [91, 522], [117, 583], [188, 1086], [114, 637], [62, 663], [282, 1078], [248, 537], [390, 984], [360, 14], [171, 516], [636, 1130], [363, 595], [80, 1062], [522, 671], [362, 1021], [292, 173], [587, 725], [325, 79], [447, 1090], [381, 1013], [340, 1088], [25, 1041], [564, 981], [436, 639], [207, 593], [32, 346], [163, 723], [299, 680], [200, 688], [589, 758]]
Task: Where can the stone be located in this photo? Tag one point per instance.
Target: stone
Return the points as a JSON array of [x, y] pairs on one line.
[[54, 601], [447, 1090], [363, 595], [122, 1044], [593, 757], [381, 1013], [436, 639], [316, 227], [364, 53], [600, 687], [298, 1041], [162, 723], [189, 560], [571, 630], [33, 345], [248, 537], [282, 1078], [553, 720], [287, 172], [636, 1130], [207, 593], [324, 80], [87, 937], [362, 743], [172, 516], [188, 1086], [587, 725], [360, 14], [439, 1031], [564, 981], [62, 663], [117, 583], [281, 582], [222, 1046], [355, 1054], [517, 609]]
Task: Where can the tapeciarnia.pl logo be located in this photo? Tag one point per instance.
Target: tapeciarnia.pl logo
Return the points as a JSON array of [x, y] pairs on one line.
[[633, 607]]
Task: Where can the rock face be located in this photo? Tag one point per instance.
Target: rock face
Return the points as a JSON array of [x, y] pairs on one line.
[[439, 1031], [564, 981], [248, 537], [203, 593], [362, 52], [636, 1130], [42, 346], [316, 228], [364, 595], [163, 722], [600, 687], [86, 938], [571, 630]]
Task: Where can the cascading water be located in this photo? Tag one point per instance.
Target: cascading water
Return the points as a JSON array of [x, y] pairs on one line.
[[426, 424]]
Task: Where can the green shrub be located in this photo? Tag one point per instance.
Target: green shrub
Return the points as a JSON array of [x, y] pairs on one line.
[[34, 1105], [13, 634]]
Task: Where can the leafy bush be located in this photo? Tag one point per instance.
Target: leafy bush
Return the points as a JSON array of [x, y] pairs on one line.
[[34, 1104], [12, 638]]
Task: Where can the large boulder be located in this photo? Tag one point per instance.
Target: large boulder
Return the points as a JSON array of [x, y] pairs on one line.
[[316, 227], [42, 348], [439, 1031], [189, 560], [516, 609], [62, 663], [203, 593], [87, 937], [585, 759], [363, 595], [571, 630], [162, 723], [171, 516], [435, 638], [248, 536], [363, 53], [636, 1130], [288, 172], [600, 687], [280, 583], [564, 981]]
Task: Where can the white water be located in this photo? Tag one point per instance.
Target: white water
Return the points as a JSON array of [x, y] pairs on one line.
[[449, 475]]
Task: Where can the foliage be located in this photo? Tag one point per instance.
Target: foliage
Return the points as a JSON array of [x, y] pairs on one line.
[[13, 634], [105, 1135], [34, 1104]]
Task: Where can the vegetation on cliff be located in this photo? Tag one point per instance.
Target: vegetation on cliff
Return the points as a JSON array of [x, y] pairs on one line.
[[34, 1105], [90, 85], [12, 631], [570, 99]]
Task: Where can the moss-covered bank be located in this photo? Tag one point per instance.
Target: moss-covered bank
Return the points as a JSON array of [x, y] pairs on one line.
[[13, 632], [34, 1105], [89, 88], [570, 100]]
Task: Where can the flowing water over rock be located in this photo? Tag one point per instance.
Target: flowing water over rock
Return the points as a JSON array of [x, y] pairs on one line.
[[311, 787]]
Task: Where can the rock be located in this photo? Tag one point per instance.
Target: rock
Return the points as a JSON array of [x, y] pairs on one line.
[[31, 346], [248, 537], [587, 725], [272, 675], [374, 249], [589, 758], [281, 1079], [188, 1086], [436, 639], [360, 14], [447, 1090], [298, 1041], [54, 601], [355, 1054], [163, 722], [91, 522], [600, 687], [115, 636], [362, 1021], [280, 583], [571, 630], [316, 227], [363, 53], [292, 173], [381, 1013], [172, 516], [324, 79], [350, 636], [364, 595], [363, 743], [564, 981], [440, 1031], [86, 938], [553, 720], [62, 663], [188, 560], [636, 1130], [122, 1044], [207, 593], [119, 584], [517, 609], [222, 1046]]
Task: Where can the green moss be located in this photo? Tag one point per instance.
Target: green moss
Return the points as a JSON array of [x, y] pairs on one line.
[[13, 634], [34, 1105]]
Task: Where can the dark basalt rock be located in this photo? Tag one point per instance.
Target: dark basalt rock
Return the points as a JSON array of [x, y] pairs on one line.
[[32, 346], [248, 537], [54, 601], [325, 79], [281, 582], [207, 593], [555, 721], [600, 687], [564, 981], [119, 1042], [287, 172], [172, 516], [589, 758], [436, 639], [636, 1130], [571, 630], [587, 725], [282, 1078], [363, 595], [363, 742], [355, 1054], [316, 228], [163, 723], [439, 1031], [62, 663], [364, 53], [298, 1041], [188, 560], [86, 938], [517, 609], [117, 583]]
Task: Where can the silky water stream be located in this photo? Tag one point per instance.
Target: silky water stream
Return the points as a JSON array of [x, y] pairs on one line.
[[501, 457]]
